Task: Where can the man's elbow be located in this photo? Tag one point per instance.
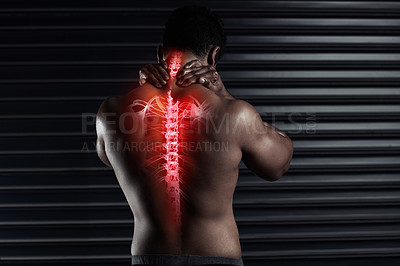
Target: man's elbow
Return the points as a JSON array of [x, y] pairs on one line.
[[274, 177], [285, 168], [271, 175], [283, 171], [101, 152]]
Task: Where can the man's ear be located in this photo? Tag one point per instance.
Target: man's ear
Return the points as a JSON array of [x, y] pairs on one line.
[[160, 53], [211, 55]]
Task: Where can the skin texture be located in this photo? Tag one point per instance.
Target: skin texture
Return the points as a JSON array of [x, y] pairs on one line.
[[208, 224]]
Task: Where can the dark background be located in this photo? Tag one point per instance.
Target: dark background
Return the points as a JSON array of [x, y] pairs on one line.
[[325, 72]]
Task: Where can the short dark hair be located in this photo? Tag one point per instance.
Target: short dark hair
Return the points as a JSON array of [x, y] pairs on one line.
[[194, 28]]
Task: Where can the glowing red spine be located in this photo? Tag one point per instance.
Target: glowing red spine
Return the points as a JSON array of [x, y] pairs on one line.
[[178, 118], [172, 143]]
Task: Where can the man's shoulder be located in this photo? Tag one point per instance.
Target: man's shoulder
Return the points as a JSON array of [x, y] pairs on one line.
[[240, 108], [109, 104], [107, 110], [242, 116]]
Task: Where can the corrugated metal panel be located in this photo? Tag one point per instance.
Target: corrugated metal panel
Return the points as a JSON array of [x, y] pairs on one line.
[[325, 72]]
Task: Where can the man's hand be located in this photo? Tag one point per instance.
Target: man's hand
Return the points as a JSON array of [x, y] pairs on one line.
[[195, 72], [156, 74], [191, 72]]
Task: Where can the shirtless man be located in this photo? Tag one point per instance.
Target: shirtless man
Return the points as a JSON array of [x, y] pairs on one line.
[[161, 143]]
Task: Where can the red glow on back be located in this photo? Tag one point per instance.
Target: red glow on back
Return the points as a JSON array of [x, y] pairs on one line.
[[175, 119]]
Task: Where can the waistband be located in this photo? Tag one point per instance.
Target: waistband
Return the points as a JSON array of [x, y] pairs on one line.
[[183, 260]]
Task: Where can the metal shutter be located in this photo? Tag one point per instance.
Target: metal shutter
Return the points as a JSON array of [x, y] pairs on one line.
[[325, 72]]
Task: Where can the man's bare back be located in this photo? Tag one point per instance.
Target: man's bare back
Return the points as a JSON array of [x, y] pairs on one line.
[[229, 131]]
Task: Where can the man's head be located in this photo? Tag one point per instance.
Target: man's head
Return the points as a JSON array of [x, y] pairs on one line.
[[198, 30]]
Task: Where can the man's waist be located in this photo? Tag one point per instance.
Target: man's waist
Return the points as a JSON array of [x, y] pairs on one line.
[[184, 260]]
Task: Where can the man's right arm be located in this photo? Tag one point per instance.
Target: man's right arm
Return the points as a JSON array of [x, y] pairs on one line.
[[266, 151]]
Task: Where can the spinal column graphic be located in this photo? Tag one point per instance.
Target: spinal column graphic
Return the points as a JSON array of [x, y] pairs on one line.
[[172, 113], [172, 156], [171, 146]]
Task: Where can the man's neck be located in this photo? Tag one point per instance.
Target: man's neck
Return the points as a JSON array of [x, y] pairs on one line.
[[175, 62], [176, 59]]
